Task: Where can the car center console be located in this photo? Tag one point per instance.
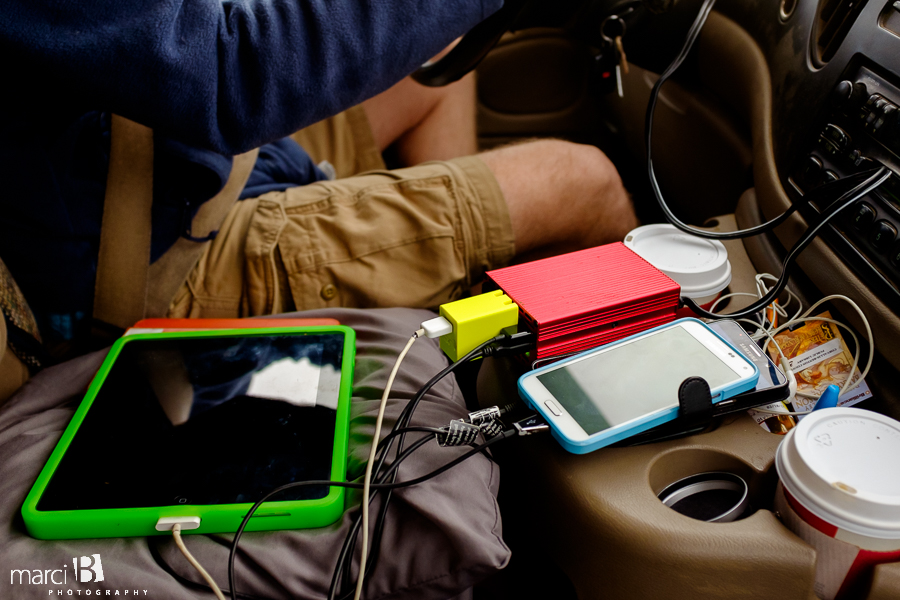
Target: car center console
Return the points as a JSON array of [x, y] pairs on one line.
[[598, 518], [859, 131], [816, 110]]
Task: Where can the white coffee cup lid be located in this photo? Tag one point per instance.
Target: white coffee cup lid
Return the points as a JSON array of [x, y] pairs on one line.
[[700, 266], [842, 465]]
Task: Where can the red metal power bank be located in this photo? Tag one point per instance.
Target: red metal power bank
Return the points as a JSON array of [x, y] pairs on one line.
[[588, 298]]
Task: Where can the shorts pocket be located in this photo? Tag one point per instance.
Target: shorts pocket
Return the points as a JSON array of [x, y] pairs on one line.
[[370, 241]]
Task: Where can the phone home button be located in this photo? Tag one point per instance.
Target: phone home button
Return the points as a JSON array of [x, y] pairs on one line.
[[552, 407]]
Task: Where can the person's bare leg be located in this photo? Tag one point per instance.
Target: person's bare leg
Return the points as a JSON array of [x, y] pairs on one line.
[[425, 123], [561, 196]]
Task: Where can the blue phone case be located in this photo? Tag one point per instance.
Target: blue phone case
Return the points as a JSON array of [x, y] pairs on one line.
[[641, 424]]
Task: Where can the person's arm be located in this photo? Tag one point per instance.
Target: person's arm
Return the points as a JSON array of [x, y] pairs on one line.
[[228, 75]]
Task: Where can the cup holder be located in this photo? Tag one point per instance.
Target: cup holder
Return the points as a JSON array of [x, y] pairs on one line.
[[710, 485], [715, 497]]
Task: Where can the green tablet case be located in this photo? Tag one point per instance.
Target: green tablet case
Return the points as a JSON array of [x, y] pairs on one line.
[[125, 522]]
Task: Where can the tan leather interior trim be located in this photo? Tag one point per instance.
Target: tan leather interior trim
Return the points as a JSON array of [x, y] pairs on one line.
[[885, 582], [170, 271], [733, 65], [124, 260], [693, 133], [534, 82]]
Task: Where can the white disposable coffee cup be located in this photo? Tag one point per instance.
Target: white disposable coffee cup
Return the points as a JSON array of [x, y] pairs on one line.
[[840, 492], [700, 266]]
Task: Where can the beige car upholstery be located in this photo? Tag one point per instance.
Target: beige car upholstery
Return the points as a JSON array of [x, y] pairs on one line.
[[535, 83]]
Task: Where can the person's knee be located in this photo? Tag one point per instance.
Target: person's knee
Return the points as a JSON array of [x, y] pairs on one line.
[[590, 174], [561, 195], [602, 194]]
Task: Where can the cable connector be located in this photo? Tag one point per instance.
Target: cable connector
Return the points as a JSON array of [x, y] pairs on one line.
[[458, 433], [531, 425], [462, 432], [476, 320], [512, 344], [484, 415], [436, 327], [789, 375], [184, 523]]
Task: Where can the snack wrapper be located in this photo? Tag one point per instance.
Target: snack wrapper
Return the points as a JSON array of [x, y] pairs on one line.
[[819, 357]]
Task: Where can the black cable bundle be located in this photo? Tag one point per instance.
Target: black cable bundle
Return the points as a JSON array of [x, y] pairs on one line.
[[384, 481], [342, 578]]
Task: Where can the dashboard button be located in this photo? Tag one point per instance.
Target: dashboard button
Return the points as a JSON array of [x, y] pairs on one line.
[[863, 217], [847, 94], [883, 235], [887, 116], [834, 139], [812, 171], [895, 256]]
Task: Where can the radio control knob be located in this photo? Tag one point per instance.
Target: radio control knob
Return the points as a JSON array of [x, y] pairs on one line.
[[847, 94]]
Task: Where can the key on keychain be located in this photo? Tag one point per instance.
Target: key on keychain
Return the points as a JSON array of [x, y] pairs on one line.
[[619, 81], [606, 66], [621, 52], [618, 50]]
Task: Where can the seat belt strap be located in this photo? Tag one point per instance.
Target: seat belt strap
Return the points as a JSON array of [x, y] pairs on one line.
[[120, 289], [127, 287], [171, 270]]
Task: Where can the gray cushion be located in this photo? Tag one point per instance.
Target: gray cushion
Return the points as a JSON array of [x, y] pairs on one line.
[[441, 537]]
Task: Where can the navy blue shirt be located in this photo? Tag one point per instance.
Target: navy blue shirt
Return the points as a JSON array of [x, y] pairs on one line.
[[213, 78]]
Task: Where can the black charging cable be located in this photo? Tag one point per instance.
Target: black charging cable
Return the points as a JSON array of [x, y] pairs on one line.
[[692, 36], [385, 480], [341, 577], [502, 344], [380, 484], [872, 181]]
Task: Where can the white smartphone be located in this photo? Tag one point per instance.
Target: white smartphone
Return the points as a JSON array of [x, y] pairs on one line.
[[605, 395]]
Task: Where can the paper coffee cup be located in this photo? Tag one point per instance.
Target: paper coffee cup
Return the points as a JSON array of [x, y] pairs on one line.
[[699, 265], [839, 491]]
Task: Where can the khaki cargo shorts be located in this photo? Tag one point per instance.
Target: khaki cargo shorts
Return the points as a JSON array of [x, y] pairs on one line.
[[415, 237]]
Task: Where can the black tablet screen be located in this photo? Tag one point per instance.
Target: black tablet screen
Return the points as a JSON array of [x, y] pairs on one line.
[[218, 420]]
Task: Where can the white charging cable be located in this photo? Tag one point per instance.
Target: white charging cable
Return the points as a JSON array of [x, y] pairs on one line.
[[761, 290], [176, 533], [367, 481], [804, 317]]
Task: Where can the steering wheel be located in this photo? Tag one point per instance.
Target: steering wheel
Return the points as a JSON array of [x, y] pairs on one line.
[[475, 44], [473, 47]]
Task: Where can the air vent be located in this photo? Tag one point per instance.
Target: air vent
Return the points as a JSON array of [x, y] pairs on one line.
[[835, 20]]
